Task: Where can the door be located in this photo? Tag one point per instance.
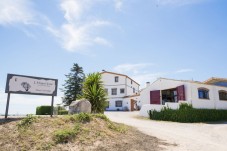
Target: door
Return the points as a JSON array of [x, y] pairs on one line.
[[132, 105], [155, 97], [180, 93]]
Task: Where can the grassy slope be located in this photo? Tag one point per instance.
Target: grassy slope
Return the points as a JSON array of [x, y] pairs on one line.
[[86, 132]]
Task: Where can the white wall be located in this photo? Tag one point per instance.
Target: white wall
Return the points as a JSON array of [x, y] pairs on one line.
[[191, 95], [163, 84], [123, 82], [112, 107]]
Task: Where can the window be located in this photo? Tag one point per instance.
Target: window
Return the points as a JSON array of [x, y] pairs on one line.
[[114, 91], [118, 104], [106, 90], [223, 95], [131, 81], [116, 79], [203, 93], [122, 90], [134, 90]]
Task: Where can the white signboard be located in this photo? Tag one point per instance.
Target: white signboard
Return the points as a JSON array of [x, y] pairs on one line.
[[31, 85]]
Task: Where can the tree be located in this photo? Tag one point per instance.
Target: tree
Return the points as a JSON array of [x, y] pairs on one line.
[[93, 91], [73, 84]]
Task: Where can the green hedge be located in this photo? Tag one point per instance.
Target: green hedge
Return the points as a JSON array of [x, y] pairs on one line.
[[43, 110], [187, 114], [62, 112]]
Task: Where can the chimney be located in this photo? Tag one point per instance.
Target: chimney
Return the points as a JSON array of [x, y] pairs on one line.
[[147, 84]]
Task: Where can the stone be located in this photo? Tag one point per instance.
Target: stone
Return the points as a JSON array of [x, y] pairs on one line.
[[80, 106]]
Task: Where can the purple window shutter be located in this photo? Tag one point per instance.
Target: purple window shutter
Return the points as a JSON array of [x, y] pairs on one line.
[[155, 97], [181, 93]]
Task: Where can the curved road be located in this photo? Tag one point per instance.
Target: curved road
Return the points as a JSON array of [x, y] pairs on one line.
[[187, 136]]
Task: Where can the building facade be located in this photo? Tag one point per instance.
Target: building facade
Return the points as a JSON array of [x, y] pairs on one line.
[[211, 94], [123, 92]]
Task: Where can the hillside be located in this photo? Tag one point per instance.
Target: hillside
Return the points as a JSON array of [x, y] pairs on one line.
[[78, 132]]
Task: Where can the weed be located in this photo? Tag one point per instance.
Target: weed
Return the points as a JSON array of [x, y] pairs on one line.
[[118, 128], [64, 136], [26, 122], [84, 117], [101, 116]]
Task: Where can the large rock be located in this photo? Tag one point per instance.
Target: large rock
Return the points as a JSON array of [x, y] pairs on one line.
[[80, 106]]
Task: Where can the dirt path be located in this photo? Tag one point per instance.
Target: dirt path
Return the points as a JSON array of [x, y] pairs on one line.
[[188, 137]]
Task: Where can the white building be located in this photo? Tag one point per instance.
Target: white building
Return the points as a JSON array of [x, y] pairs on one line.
[[123, 91], [211, 94]]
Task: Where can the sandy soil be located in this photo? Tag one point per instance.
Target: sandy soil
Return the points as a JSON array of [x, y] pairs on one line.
[[187, 136]]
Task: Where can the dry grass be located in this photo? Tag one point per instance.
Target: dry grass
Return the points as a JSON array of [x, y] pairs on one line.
[[99, 134]]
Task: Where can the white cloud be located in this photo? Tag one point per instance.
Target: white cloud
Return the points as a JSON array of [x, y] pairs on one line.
[[132, 68], [79, 31], [102, 41], [74, 9], [118, 5], [177, 2], [184, 70], [15, 11]]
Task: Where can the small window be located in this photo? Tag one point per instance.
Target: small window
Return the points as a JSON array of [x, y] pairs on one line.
[[114, 91], [118, 104], [203, 93], [122, 90], [106, 90], [134, 90], [223, 95], [131, 81], [116, 79]]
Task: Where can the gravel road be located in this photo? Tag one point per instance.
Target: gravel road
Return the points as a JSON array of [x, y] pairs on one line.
[[187, 136]]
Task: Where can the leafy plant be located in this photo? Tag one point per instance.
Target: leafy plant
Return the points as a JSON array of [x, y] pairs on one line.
[[62, 112], [84, 117], [93, 90], [64, 136], [43, 110], [187, 114], [26, 122]]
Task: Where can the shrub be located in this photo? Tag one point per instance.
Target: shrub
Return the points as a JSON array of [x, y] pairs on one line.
[[63, 136], [187, 114], [43, 110], [26, 122], [84, 117], [62, 112], [94, 92]]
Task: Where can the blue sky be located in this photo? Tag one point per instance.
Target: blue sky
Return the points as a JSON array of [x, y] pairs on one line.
[[180, 39]]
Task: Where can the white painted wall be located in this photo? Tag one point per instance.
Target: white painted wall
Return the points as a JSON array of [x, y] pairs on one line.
[[191, 95], [125, 83]]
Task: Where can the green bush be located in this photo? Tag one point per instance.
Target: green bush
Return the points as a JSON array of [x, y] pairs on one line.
[[187, 114], [84, 117], [62, 112], [43, 110], [63, 136], [26, 122]]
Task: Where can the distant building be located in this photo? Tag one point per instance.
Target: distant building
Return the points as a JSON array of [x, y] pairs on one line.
[[211, 94], [123, 91]]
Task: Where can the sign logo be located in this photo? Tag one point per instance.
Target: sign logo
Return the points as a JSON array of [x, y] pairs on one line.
[[26, 86]]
